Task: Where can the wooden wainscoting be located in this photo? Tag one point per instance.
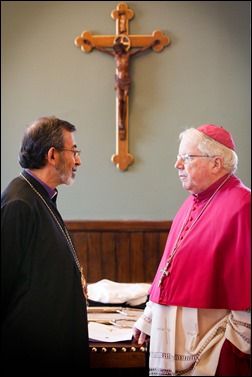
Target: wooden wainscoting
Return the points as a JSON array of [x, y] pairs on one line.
[[121, 251]]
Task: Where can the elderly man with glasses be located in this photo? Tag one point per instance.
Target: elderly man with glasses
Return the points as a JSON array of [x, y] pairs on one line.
[[197, 319]]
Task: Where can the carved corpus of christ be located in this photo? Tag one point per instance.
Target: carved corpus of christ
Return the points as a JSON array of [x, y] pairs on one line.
[[122, 46]]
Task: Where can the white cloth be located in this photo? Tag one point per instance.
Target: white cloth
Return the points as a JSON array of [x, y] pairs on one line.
[[111, 292], [188, 341]]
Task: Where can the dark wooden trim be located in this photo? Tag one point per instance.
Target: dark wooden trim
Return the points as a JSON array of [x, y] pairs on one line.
[[118, 225]]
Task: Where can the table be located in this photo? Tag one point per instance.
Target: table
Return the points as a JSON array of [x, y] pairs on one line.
[[120, 358]]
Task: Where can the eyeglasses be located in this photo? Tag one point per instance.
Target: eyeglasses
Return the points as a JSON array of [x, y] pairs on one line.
[[76, 153], [186, 158]]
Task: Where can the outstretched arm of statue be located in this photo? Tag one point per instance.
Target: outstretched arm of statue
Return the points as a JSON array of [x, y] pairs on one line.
[[154, 43], [102, 49]]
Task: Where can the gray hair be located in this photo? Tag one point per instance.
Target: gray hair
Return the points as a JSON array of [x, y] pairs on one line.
[[42, 134], [211, 148]]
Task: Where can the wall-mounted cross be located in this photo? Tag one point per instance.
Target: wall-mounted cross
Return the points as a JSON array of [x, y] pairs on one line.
[[119, 46]]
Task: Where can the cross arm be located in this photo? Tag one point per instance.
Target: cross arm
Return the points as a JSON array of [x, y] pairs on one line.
[[95, 40], [146, 40], [109, 40]]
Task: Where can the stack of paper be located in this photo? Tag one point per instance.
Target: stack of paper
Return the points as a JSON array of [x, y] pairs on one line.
[[116, 315], [108, 333]]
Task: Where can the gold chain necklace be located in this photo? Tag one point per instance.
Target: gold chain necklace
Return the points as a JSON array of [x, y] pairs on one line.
[[67, 238], [165, 271]]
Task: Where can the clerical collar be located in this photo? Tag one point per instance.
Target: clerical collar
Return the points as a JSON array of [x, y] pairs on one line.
[[209, 191], [51, 192]]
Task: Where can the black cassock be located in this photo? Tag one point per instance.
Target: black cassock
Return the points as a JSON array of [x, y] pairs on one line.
[[43, 310]]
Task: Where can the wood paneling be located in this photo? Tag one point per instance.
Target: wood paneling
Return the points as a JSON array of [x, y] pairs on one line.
[[121, 251]]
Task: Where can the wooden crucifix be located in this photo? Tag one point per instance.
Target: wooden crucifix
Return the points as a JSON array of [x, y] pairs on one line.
[[119, 46]]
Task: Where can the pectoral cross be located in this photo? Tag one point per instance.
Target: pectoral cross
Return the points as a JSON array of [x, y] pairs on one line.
[[165, 271], [122, 43]]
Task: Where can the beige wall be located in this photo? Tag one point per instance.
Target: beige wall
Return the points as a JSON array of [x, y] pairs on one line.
[[202, 77]]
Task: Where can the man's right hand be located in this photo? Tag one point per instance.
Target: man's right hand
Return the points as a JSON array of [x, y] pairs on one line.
[[139, 336]]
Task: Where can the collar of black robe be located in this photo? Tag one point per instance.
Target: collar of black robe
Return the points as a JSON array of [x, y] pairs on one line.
[[51, 192]]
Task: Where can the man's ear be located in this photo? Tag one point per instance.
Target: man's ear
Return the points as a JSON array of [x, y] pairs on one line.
[[51, 155], [218, 162]]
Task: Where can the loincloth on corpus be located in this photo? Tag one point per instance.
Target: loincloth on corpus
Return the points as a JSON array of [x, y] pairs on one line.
[[122, 84]]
